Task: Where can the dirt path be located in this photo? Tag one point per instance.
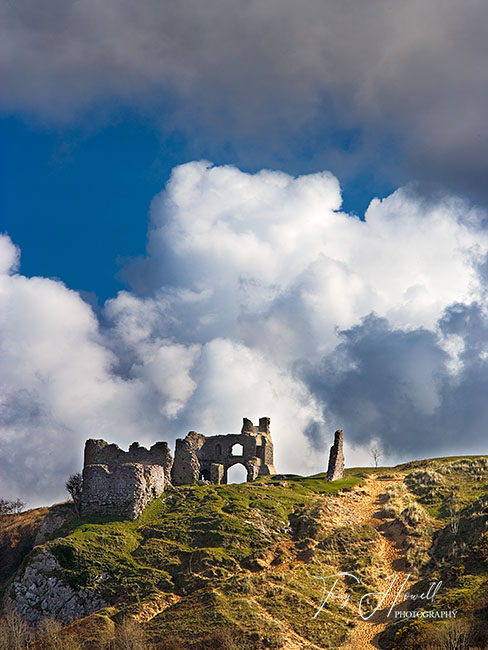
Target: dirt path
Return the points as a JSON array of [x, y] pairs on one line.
[[361, 505], [364, 506]]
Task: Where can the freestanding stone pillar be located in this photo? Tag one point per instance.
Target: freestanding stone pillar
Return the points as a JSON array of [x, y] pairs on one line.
[[336, 457]]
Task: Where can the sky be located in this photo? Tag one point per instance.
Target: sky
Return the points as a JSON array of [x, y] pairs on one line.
[[218, 210]]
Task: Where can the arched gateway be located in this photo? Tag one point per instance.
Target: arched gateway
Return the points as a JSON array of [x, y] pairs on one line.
[[209, 458]]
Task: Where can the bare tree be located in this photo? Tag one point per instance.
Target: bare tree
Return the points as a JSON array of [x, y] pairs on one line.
[[11, 507], [18, 506], [74, 486], [5, 507], [458, 634], [14, 631], [375, 454], [52, 636]]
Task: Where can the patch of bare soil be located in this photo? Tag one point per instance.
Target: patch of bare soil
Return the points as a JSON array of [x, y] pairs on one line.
[[363, 506]]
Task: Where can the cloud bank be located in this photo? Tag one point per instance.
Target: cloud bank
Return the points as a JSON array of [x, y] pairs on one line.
[[258, 296], [385, 71]]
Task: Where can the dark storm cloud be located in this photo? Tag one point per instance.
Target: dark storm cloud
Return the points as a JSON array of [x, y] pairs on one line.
[[400, 387], [412, 73]]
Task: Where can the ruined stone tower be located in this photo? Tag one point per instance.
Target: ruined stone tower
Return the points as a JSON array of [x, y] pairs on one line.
[[117, 482], [336, 457], [198, 457]]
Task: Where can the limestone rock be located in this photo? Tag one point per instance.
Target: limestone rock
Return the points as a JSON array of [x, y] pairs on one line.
[[40, 591]]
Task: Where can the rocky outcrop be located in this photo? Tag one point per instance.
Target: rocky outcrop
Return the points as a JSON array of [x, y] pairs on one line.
[[40, 591], [57, 517]]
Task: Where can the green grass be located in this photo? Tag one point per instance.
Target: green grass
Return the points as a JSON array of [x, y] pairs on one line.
[[453, 492], [210, 546], [244, 559]]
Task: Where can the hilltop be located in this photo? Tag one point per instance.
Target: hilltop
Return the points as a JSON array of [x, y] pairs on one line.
[[234, 567]]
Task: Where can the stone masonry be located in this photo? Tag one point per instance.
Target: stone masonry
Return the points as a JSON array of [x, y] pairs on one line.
[[120, 482], [208, 458], [336, 457]]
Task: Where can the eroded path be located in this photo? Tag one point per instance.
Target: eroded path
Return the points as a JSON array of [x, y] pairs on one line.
[[363, 506]]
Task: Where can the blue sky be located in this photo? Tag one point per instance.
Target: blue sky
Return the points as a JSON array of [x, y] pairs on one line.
[[77, 194], [158, 293]]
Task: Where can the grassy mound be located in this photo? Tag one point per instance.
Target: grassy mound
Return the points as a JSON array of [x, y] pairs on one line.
[[207, 558]]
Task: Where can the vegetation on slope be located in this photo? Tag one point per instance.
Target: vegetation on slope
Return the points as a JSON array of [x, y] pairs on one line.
[[17, 535], [212, 557], [443, 508], [235, 567]]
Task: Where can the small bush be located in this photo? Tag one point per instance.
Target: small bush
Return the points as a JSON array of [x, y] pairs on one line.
[[129, 635], [413, 514]]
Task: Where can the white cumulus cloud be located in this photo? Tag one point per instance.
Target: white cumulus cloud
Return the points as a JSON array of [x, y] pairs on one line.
[[265, 299]]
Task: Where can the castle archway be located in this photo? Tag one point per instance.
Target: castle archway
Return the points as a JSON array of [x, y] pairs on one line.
[[237, 474]]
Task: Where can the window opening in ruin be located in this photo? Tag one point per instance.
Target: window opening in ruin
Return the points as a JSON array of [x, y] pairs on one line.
[[237, 449]]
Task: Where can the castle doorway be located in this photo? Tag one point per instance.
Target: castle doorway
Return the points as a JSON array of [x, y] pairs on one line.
[[237, 474], [204, 475]]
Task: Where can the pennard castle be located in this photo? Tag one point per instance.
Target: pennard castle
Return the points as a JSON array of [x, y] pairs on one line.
[[125, 482]]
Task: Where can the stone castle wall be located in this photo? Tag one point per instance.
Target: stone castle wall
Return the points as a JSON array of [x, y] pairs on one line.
[[202, 458], [335, 469], [116, 482], [122, 483]]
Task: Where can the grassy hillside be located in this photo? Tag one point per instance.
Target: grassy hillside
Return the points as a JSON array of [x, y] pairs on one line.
[[236, 567], [211, 557], [443, 509], [17, 535]]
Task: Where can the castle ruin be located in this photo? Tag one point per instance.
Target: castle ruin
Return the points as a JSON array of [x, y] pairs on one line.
[[123, 483], [198, 457], [335, 469]]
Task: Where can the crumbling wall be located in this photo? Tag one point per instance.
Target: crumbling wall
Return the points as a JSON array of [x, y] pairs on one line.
[[122, 483], [336, 457], [186, 466], [199, 457]]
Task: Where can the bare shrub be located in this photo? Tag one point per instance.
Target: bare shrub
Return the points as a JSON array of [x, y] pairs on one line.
[[4, 635], [456, 635], [413, 514], [454, 513], [11, 507], [52, 636], [15, 634], [129, 635]]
